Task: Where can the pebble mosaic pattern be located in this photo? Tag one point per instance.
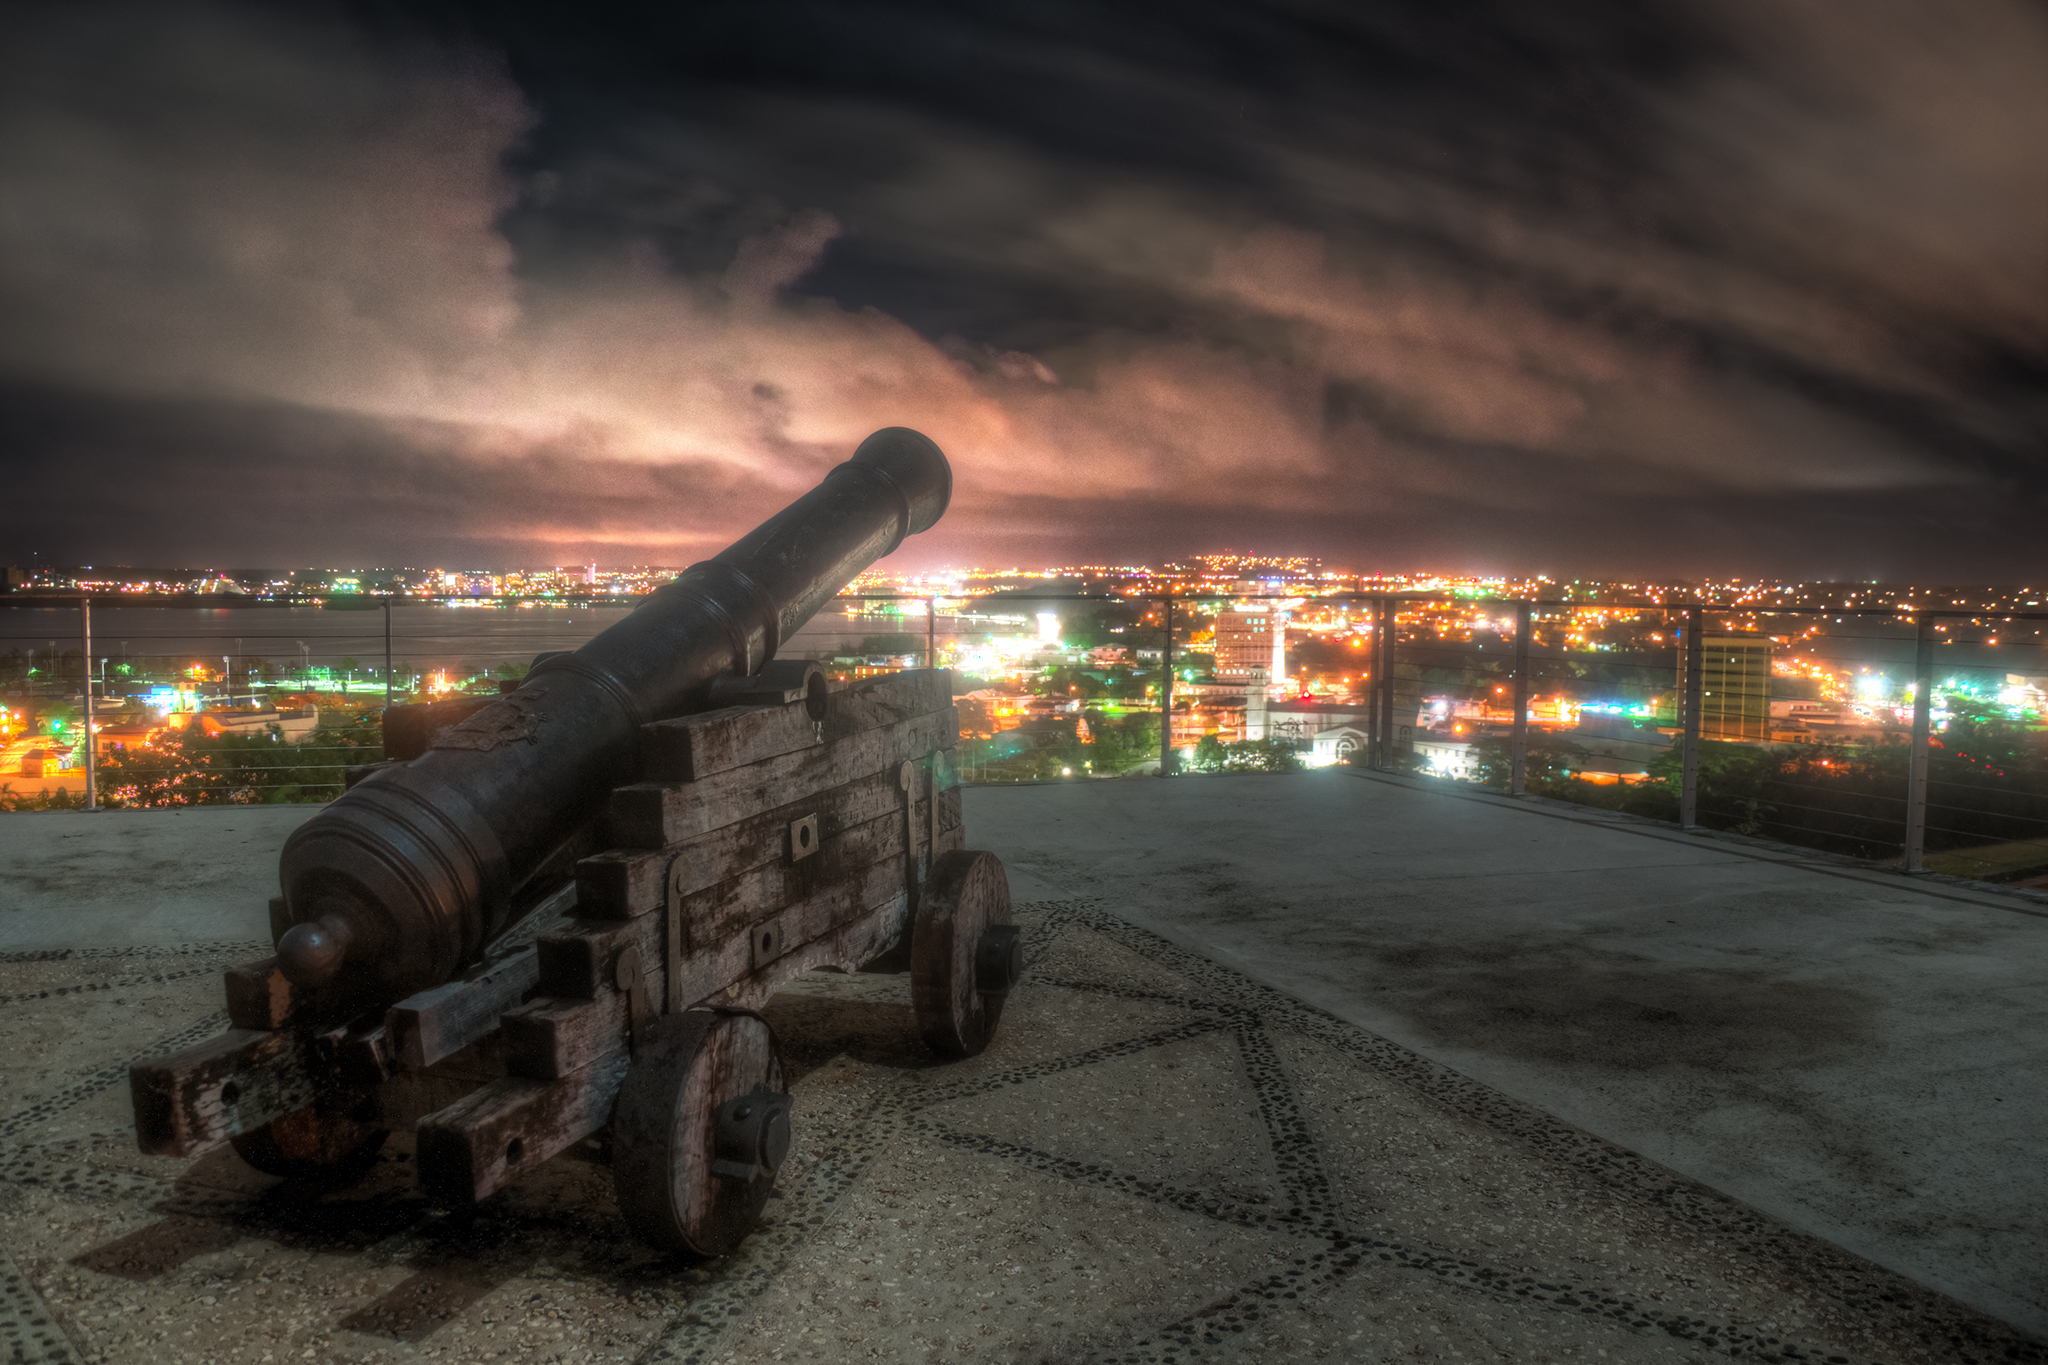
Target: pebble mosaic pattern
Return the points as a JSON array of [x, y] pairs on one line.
[[27, 1330], [1318, 1245]]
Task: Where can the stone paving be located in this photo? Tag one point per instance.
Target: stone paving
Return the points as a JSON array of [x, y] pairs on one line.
[[1860, 1054], [1158, 1160]]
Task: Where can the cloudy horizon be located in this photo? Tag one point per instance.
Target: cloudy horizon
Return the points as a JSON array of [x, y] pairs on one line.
[[1673, 290]]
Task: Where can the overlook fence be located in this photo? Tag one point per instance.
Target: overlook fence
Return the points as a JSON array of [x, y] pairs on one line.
[[1704, 715]]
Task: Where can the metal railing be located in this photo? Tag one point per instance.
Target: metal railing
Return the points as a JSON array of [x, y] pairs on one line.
[[1905, 796], [1915, 796]]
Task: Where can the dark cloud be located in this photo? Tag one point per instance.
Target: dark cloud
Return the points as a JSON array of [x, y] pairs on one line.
[[201, 482], [205, 481], [1731, 287]]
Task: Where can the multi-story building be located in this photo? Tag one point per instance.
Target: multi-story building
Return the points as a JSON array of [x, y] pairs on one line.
[[1735, 686], [1247, 640]]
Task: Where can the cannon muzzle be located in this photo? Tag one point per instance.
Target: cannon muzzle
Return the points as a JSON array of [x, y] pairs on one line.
[[396, 885]]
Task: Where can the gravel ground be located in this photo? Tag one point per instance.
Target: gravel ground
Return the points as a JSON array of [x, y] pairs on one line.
[[1158, 1160]]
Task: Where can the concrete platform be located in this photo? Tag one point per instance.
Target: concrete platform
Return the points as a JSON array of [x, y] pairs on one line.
[[1862, 1055], [1161, 1158], [139, 878]]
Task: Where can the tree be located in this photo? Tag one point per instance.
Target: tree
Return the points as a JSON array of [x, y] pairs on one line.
[[187, 768], [1548, 761], [1213, 755], [1109, 624], [1069, 682], [1121, 742], [1261, 756]]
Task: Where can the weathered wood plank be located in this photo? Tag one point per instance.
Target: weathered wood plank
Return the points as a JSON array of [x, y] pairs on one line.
[[469, 1149], [408, 1094], [442, 1020], [627, 882], [620, 883], [891, 698], [690, 748], [556, 906], [655, 815], [710, 970], [712, 915], [548, 1039], [726, 853], [232, 1084], [577, 962], [258, 995], [845, 947], [352, 1058]]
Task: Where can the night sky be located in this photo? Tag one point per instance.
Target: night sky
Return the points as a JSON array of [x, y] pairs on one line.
[[1735, 287]]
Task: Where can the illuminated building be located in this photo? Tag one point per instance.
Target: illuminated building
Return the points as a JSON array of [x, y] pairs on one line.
[[1446, 755], [1735, 686], [1249, 640], [1339, 744], [1299, 720]]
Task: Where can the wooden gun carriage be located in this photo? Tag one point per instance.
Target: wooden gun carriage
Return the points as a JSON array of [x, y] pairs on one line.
[[455, 952], [800, 829]]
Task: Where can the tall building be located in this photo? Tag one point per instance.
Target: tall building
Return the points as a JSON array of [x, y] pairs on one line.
[[1255, 700], [1735, 686], [1248, 640]]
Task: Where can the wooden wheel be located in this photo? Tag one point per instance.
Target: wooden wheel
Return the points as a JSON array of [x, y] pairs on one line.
[[698, 1131], [309, 1145], [964, 954]]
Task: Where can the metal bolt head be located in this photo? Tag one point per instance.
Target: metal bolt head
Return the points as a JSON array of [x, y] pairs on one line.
[[751, 1137], [998, 959], [803, 838], [775, 1137]]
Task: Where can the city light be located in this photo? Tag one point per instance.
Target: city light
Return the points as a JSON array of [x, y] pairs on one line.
[[1056, 667]]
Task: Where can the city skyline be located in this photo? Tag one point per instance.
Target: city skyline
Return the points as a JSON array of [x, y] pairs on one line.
[[1225, 574]]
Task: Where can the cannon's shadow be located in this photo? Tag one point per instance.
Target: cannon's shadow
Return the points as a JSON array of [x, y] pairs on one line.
[[564, 1212], [813, 1029]]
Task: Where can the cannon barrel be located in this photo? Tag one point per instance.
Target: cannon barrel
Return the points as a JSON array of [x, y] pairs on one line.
[[393, 887]]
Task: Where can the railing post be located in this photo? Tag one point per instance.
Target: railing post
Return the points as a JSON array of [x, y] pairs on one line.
[[1166, 695], [1520, 743], [931, 633], [1384, 638], [1689, 785], [1923, 722], [387, 651], [92, 797], [1372, 691]]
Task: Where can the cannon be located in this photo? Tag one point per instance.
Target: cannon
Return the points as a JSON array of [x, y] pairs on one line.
[[545, 922]]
